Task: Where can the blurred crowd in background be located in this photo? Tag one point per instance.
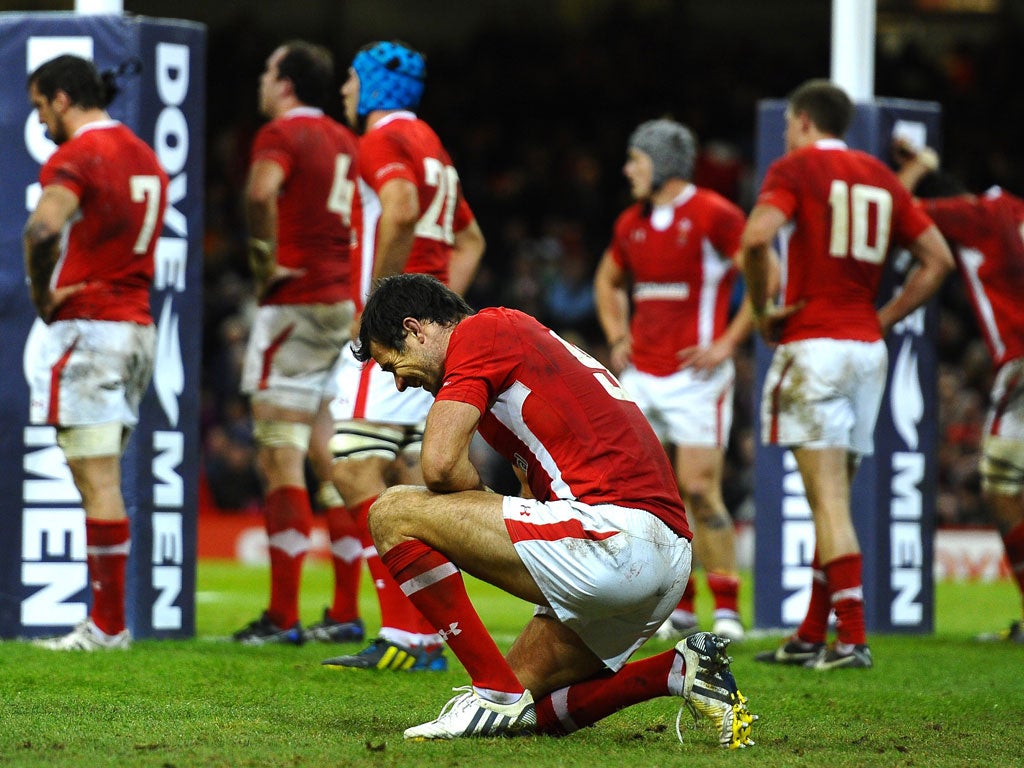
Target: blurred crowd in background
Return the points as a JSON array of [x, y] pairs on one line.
[[537, 125]]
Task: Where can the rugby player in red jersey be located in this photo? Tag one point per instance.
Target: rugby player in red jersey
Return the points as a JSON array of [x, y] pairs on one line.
[[663, 289], [842, 209], [412, 217], [298, 201], [598, 539], [89, 247], [987, 235]]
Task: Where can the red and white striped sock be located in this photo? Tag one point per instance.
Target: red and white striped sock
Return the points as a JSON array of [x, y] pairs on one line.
[[346, 561], [435, 587], [289, 519], [107, 543], [582, 704], [814, 628], [846, 592]]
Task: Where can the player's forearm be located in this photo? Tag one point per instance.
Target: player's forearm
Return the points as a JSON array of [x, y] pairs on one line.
[[741, 325], [911, 173], [935, 262], [757, 271], [612, 312], [611, 301], [921, 285], [42, 250], [452, 478], [261, 217], [465, 258]]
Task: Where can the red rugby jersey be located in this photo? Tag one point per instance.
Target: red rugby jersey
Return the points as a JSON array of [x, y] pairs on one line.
[[988, 237], [559, 415], [403, 146], [846, 209], [122, 193], [679, 258], [315, 205]]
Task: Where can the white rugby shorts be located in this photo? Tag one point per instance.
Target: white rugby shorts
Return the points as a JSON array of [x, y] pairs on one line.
[[687, 407], [87, 372], [1006, 407], [292, 352], [611, 574], [366, 392], [824, 393]]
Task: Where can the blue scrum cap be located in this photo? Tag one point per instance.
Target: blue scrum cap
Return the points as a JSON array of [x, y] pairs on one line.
[[391, 76]]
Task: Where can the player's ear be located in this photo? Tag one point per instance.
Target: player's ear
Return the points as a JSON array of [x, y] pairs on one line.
[[413, 326], [60, 101]]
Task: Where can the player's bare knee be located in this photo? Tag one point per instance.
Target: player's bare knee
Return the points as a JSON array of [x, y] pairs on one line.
[[392, 517]]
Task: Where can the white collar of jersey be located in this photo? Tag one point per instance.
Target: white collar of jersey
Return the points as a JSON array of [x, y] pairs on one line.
[[993, 192], [401, 114], [685, 195], [303, 112], [663, 215], [96, 125], [830, 144]]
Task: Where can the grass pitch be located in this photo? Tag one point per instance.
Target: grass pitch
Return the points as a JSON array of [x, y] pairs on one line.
[[930, 701]]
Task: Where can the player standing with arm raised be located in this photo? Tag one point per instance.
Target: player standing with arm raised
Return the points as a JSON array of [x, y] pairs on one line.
[[601, 544], [413, 218], [987, 234], [671, 260], [89, 248], [824, 387], [298, 201]]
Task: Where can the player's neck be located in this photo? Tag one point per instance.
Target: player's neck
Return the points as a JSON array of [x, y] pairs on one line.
[[669, 191], [377, 115], [286, 105], [76, 118], [813, 135]]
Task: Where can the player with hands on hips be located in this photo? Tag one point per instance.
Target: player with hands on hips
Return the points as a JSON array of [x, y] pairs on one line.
[[298, 202], [844, 210], [663, 289], [89, 248]]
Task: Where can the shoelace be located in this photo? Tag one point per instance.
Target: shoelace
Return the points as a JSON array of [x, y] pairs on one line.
[[467, 692], [679, 716]]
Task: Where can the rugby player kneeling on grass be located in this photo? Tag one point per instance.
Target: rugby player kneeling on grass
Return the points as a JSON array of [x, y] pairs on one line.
[[599, 540]]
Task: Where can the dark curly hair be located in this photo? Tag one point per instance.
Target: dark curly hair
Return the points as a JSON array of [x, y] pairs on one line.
[[410, 295], [85, 86]]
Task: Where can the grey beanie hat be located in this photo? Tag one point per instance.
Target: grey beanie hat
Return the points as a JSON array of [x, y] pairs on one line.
[[671, 147]]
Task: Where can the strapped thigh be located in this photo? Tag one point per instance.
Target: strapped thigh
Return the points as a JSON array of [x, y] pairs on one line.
[[355, 440]]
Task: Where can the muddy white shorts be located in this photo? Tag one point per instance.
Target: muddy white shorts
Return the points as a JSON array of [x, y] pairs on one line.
[[611, 574], [292, 352], [824, 393], [364, 391], [687, 407], [88, 372]]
